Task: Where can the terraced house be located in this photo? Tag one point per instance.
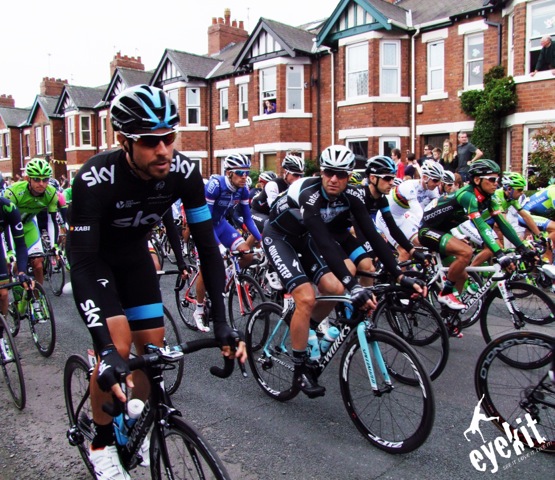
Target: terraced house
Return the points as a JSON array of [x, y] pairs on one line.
[[374, 75]]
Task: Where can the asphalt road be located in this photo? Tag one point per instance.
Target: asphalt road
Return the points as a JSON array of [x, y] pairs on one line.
[[257, 437]]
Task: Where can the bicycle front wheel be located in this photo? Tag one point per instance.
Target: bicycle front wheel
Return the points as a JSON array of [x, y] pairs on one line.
[[243, 298], [41, 321], [11, 365], [536, 310], [419, 324], [55, 274], [511, 391], [173, 373], [178, 451], [399, 418], [186, 299], [78, 405], [270, 353]]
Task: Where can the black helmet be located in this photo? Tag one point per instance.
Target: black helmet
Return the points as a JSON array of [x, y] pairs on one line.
[[380, 165], [143, 107], [482, 167]]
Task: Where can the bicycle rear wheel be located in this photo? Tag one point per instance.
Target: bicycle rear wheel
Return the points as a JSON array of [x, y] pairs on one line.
[[185, 299], [536, 308], [178, 451], [11, 366], [513, 390], [41, 321], [270, 353], [13, 318], [55, 274], [401, 417], [78, 406], [419, 324], [243, 300], [173, 373]]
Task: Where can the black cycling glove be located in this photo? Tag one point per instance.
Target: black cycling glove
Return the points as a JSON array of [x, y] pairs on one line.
[[419, 256], [226, 335], [503, 259], [410, 282], [360, 295], [111, 369]]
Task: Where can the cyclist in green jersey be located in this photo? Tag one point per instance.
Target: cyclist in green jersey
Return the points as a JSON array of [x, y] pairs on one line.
[[467, 203], [31, 196]]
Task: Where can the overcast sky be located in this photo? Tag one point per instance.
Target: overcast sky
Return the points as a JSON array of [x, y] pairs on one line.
[[77, 40]]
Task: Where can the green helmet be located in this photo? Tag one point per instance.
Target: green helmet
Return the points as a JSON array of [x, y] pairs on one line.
[[483, 167], [513, 180], [356, 178], [38, 167]]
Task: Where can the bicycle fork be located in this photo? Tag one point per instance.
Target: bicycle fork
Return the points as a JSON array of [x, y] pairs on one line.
[[365, 347]]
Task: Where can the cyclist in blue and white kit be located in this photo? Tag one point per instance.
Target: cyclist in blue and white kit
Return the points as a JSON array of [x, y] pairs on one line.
[[223, 192], [407, 203], [118, 196]]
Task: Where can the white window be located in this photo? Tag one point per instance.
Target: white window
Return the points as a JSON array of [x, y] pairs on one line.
[[7, 145], [47, 139], [71, 131], [268, 87], [243, 102], [2, 152], [358, 146], [389, 143], [174, 95], [357, 70], [511, 45], [193, 106], [103, 132], [436, 60], [224, 106], [390, 68], [295, 82], [38, 141], [27, 144], [541, 21], [85, 124], [474, 60]]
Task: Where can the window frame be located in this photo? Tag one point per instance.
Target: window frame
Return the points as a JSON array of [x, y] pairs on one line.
[[243, 99], [104, 131], [431, 69], [71, 131], [349, 49], [47, 139], [290, 89], [394, 67], [532, 51], [192, 105], [27, 144], [224, 106], [266, 91], [83, 131], [38, 141], [468, 61]]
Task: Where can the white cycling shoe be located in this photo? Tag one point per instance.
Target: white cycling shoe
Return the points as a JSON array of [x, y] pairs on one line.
[[107, 465], [199, 320]]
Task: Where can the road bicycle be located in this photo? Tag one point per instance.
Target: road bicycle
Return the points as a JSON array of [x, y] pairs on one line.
[[511, 378], [177, 450], [54, 266], [11, 365], [498, 301], [242, 291], [385, 388], [36, 307]]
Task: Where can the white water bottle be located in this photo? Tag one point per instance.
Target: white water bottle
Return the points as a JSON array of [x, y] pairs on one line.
[[329, 338], [134, 410], [313, 346]]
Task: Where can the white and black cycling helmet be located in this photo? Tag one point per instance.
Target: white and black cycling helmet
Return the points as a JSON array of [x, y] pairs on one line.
[[397, 181], [143, 107], [337, 157], [237, 161], [267, 177], [380, 165], [293, 164], [432, 170], [448, 177]]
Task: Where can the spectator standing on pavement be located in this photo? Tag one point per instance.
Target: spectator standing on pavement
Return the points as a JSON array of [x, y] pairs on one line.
[[466, 154]]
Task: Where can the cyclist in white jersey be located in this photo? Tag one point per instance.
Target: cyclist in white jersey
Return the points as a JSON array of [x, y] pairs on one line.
[[407, 202]]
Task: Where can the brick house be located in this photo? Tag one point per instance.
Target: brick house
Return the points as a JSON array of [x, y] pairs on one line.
[[12, 121]]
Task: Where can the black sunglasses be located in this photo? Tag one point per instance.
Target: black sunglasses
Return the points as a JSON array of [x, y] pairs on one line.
[[152, 140], [340, 174], [386, 178]]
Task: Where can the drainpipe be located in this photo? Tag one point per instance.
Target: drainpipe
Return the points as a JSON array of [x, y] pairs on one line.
[[499, 39], [413, 90], [210, 130], [332, 98]]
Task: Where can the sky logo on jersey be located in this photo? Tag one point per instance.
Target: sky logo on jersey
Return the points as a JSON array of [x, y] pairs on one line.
[[181, 165], [94, 176], [91, 310], [137, 221]]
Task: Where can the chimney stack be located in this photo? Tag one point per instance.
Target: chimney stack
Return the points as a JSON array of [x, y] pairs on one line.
[[223, 32], [7, 101], [126, 62], [52, 86]]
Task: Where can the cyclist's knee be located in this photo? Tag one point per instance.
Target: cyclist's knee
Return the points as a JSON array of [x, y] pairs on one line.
[[304, 297]]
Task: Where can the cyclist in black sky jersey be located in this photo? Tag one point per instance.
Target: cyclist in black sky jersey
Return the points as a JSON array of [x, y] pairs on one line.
[[117, 197]]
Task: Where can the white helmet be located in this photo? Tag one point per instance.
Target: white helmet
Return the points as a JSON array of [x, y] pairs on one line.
[[293, 164], [448, 177], [337, 157], [237, 161], [432, 170]]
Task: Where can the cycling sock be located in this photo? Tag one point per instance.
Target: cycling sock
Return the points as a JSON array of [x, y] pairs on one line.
[[299, 357], [104, 436], [448, 287], [200, 307]]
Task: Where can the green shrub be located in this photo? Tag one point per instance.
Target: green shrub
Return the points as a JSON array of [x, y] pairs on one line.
[[542, 157]]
